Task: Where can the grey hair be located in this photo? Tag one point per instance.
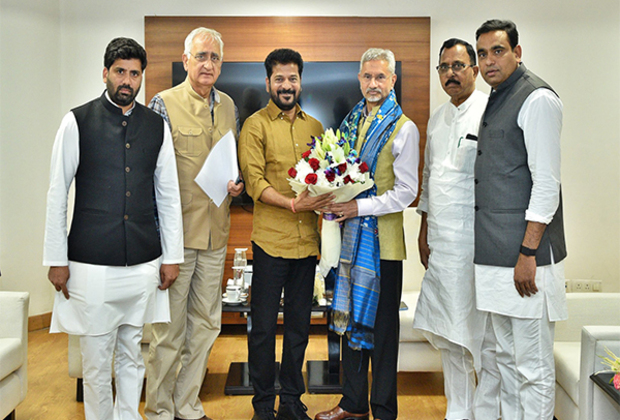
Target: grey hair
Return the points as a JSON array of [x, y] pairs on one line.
[[373, 54], [205, 33]]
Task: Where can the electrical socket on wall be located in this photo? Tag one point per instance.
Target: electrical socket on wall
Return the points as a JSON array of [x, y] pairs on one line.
[[577, 286], [583, 286]]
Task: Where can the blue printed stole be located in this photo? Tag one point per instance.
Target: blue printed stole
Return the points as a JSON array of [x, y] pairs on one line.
[[357, 289]]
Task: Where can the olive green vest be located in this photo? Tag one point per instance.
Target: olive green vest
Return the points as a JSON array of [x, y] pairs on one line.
[[195, 133], [391, 231]]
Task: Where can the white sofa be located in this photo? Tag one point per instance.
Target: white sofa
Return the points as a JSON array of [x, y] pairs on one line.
[[74, 355], [593, 323], [13, 351], [416, 354]]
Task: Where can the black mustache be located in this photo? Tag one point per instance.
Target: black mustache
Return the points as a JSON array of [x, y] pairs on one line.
[[456, 82], [124, 87], [286, 91]]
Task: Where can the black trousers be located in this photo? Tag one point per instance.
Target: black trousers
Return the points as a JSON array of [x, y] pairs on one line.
[[270, 276], [384, 356]]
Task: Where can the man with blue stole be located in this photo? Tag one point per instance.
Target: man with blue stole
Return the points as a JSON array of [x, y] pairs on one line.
[[369, 284]]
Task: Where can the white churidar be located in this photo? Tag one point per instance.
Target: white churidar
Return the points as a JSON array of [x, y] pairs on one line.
[[97, 351]]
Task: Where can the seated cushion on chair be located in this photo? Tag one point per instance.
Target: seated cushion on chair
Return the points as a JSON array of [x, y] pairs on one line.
[[567, 361], [11, 356]]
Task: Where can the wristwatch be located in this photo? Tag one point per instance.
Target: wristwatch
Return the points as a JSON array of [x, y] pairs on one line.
[[528, 252]]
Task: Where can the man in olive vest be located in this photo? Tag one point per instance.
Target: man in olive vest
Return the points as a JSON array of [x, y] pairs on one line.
[[519, 233], [111, 271], [370, 269], [198, 116]]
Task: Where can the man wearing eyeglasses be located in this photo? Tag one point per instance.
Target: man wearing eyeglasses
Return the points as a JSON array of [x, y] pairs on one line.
[[519, 233], [446, 310], [198, 116]]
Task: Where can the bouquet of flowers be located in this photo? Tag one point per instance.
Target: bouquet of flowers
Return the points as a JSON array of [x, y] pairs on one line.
[[613, 362], [330, 166]]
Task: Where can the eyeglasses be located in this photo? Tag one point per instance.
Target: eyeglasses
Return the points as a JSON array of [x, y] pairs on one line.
[[456, 67], [202, 57]]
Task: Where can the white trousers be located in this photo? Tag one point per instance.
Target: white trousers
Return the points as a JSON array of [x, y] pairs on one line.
[[487, 398], [526, 365], [179, 351], [97, 353], [459, 379]]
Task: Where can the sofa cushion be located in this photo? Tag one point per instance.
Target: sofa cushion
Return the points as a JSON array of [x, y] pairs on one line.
[[567, 360], [407, 332], [11, 356]]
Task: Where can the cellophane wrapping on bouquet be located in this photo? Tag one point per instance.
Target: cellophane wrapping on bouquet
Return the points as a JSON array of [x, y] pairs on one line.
[[331, 165]]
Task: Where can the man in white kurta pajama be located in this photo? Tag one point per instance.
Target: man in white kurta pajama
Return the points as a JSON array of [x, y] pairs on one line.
[[519, 231], [107, 271], [446, 310]]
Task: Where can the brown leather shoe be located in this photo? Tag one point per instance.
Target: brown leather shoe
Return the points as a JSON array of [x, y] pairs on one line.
[[338, 413]]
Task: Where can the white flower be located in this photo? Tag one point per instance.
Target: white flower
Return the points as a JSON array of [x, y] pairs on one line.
[[303, 168], [338, 155]]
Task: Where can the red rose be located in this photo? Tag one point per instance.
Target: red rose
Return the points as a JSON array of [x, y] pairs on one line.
[[305, 154], [292, 173], [347, 179], [330, 176], [311, 179], [314, 164], [363, 167], [342, 168]]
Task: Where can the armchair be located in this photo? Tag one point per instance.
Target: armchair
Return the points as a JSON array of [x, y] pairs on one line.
[[13, 351], [576, 359]]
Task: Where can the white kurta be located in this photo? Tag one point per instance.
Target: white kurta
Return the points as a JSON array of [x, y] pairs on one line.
[[540, 119], [101, 298], [446, 306]]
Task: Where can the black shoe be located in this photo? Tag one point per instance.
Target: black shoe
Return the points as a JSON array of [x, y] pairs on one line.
[[294, 410], [264, 414]]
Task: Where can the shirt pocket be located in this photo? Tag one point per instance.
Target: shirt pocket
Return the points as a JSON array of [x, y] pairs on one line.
[[466, 156], [187, 140]]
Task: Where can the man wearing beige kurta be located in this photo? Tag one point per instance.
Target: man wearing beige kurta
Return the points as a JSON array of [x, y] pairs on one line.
[[198, 116]]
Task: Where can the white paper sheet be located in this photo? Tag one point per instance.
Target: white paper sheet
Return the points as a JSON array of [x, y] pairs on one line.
[[219, 168]]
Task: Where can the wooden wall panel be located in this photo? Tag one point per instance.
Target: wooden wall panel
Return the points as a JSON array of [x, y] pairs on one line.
[[317, 39]]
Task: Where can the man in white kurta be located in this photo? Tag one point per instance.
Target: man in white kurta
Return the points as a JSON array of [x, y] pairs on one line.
[[446, 310], [103, 295], [520, 243]]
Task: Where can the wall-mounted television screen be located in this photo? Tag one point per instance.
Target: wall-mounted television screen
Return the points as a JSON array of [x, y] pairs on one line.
[[329, 91]]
